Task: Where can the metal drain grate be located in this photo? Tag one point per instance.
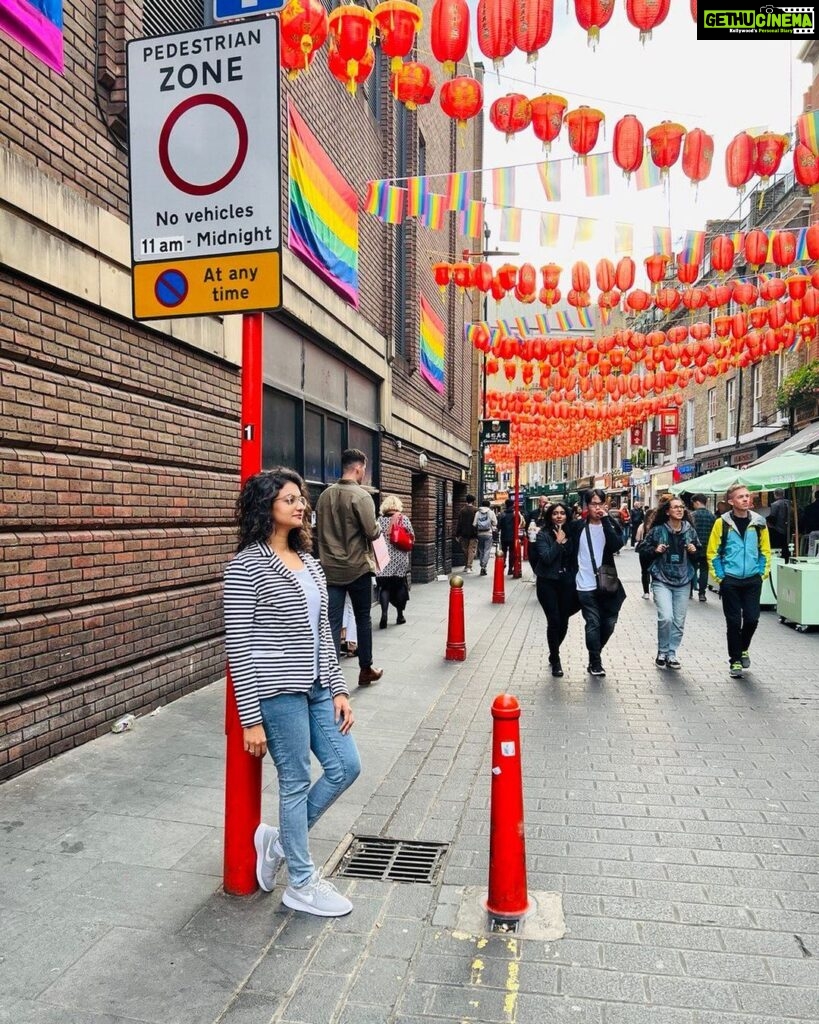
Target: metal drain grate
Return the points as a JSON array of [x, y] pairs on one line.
[[391, 860]]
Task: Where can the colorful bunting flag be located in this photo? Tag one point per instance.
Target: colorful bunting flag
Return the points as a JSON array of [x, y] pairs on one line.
[[807, 130], [416, 196], [584, 317], [510, 224], [432, 352], [563, 322], [802, 245], [372, 200], [434, 213], [542, 323], [596, 171], [503, 186], [549, 172], [522, 326], [584, 230], [456, 190], [693, 250], [623, 239], [647, 174], [661, 241], [391, 210], [472, 219], [549, 229]]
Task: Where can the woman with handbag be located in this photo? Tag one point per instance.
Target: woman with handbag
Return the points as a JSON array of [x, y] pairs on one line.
[[290, 692], [670, 544], [392, 579], [599, 591], [555, 578]]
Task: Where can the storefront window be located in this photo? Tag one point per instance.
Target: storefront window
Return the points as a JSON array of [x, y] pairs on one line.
[[365, 441], [279, 423], [313, 457], [333, 447]]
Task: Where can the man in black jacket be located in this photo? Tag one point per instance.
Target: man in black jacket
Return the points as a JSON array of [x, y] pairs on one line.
[[597, 540], [466, 533]]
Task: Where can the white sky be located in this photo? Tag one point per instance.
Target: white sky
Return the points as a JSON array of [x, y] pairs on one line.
[[721, 87]]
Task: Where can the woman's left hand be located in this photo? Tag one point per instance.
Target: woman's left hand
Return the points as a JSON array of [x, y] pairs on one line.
[[344, 713], [691, 549]]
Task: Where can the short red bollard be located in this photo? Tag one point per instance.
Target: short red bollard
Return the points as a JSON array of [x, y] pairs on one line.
[[498, 591], [524, 548], [456, 631], [508, 896]]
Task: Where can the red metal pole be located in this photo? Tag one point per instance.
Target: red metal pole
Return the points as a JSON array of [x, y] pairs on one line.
[[498, 586], [516, 570], [456, 630], [508, 896], [243, 773]]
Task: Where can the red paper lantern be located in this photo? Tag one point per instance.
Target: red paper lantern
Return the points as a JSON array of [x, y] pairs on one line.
[[510, 114], [294, 61], [744, 294], [812, 241], [449, 32], [483, 277], [350, 73], [303, 29], [628, 150], [584, 127], [551, 275], [495, 36], [527, 279], [497, 289], [797, 286], [581, 278], [783, 248], [772, 289], [665, 142], [463, 275], [806, 167], [687, 273], [592, 15], [722, 254], [739, 161], [655, 267], [624, 274], [412, 85], [698, 153], [547, 117], [351, 28], [638, 300], [461, 98], [647, 15], [693, 5], [442, 272], [693, 298], [397, 22], [667, 300], [768, 153], [756, 248], [507, 275], [604, 275], [532, 22], [549, 296]]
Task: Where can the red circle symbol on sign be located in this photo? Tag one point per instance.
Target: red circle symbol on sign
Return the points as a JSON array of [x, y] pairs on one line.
[[206, 99]]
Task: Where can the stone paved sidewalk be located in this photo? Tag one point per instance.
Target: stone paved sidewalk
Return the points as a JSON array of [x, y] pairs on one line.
[[676, 813]]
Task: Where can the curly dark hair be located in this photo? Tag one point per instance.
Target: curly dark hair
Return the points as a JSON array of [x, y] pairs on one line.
[[254, 509], [548, 521], [661, 515]]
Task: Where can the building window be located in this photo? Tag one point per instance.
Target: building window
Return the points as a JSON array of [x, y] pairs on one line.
[[756, 391], [164, 17], [712, 415], [690, 426], [731, 403], [422, 156], [279, 430]]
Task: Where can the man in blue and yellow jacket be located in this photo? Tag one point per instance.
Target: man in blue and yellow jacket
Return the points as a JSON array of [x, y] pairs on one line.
[[739, 557]]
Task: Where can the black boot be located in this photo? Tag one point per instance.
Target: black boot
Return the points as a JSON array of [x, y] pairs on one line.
[[384, 601], [557, 668]]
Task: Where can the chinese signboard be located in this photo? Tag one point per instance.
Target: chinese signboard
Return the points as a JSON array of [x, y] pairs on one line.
[[495, 431]]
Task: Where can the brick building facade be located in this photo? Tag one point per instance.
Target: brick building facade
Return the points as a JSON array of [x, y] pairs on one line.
[[119, 440]]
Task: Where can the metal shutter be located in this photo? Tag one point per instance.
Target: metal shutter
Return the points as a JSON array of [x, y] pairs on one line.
[[164, 17]]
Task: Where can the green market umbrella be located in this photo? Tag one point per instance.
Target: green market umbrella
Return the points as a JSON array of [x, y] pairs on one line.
[[792, 468], [715, 482]]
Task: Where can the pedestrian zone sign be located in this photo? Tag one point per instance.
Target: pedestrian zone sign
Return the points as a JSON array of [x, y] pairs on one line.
[[205, 171]]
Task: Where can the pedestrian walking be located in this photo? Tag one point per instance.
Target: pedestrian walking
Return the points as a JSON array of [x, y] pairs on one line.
[[672, 541], [346, 525], [600, 593], [644, 557], [536, 521], [779, 524], [625, 522], [486, 525], [637, 516], [466, 533], [739, 557], [509, 528], [702, 519], [555, 568], [392, 579], [290, 692]]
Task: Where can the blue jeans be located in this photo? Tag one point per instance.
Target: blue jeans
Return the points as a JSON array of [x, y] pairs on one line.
[[295, 724], [672, 607], [361, 598]]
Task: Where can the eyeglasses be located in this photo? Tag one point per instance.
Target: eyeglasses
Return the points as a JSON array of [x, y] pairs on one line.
[[677, 508], [597, 504], [294, 499]]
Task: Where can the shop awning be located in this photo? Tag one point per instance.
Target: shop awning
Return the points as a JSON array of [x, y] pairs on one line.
[[804, 440]]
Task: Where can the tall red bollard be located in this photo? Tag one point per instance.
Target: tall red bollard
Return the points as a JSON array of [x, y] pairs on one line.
[[456, 631], [498, 591], [243, 773], [508, 896]]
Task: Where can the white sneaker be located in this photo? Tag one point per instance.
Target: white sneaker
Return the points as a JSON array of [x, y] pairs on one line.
[[317, 896], [467, 572], [269, 855]]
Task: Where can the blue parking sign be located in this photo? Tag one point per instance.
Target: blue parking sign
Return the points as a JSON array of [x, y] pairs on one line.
[[223, 10]]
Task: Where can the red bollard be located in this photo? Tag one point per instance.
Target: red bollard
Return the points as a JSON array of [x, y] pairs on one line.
[[516, 563], [508, 896], [456, 631], [498, 591], [524, 548]]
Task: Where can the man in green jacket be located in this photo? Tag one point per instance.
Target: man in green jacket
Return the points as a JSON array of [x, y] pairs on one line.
[[346, 525]]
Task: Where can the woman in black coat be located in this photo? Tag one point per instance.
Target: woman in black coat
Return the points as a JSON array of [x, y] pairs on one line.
[[555, 579]]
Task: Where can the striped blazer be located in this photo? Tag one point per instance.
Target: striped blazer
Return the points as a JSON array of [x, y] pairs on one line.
[[267, 631]]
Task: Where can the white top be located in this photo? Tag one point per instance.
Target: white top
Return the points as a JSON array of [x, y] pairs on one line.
[[311, 592], [586, 579]]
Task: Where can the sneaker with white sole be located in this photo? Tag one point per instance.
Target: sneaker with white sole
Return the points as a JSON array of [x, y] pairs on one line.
[[269, 856], [317, 896], [745, 659], [672, 661], [735, 670]]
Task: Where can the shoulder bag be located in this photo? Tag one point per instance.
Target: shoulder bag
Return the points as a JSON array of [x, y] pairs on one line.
[[607, 579], [400, 536]]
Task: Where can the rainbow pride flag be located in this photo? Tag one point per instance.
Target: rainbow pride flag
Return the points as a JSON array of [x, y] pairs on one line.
[[583, 317], [802, 244], [549, 173], [323, 212], [472, 219], [434, 213], [432, 348], [563, 321], [596, 171], [623, 239], [661, 241], [584, 230], [807, 130], [38, 26], [373, 197], [416, 196], [542, 323], [510, 224], [391, 210], [456, 190], [647, 174], [503, 186], [693, 250], [549, 229]]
